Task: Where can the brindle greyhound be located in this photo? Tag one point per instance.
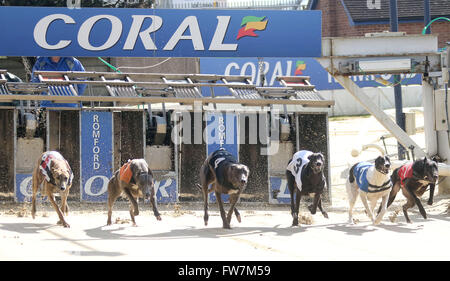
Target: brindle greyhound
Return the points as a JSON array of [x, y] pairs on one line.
[[54, 172], [133, 178]]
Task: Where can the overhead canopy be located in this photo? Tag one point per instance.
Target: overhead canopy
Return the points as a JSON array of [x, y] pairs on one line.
[[144, 88]]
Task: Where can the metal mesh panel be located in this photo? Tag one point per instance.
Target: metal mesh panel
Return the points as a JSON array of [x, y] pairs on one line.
[[123, 91], [308, 95], [246, 93], [186, 92], [4, 90]]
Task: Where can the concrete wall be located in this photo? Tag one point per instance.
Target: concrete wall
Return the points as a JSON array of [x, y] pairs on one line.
[[28, 151], [159, 157], [278, 161], [345, 103]]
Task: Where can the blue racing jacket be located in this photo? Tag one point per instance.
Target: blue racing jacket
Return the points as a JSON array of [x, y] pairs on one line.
[[64, 64], [360, 173]]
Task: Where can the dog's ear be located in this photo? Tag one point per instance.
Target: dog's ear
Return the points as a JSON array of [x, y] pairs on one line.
[[387, 158], [310, 157]]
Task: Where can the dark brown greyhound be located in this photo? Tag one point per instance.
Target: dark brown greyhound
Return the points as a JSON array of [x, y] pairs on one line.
[[304, 175], [134, 179], [54, 172], [227, 176], [413, 179]]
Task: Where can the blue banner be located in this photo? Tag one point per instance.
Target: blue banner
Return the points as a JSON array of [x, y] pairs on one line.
[[96, 155], [273, 67], [221, 131], [45, 31], [23, 190], [279, 191], [166, 190]]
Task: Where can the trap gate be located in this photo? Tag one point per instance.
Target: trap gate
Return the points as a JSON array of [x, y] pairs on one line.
[[165, 118]]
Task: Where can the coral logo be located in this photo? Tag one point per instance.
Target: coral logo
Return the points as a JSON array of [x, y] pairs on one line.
[[249, 25], [299, 67]]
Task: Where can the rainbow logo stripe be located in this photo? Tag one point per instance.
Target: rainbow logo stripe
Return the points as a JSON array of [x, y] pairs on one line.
[[299, 67], [249, 25]]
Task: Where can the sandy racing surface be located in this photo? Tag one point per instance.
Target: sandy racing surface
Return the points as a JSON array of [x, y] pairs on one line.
[[264, 234]]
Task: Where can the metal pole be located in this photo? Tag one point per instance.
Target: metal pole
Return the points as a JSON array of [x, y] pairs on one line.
[[399, 116], [427, 15]]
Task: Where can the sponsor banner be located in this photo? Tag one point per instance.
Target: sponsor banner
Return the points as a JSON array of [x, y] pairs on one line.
[[273, 67], [221, 131], [23, 190], [279, 191], [86, 32], [96, 154], [166, 190]]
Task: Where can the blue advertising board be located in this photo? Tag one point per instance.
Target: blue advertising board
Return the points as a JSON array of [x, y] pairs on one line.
[[221, 131], [96, 154], [166, 190], [86, 32], [273, 67], [278, 191], [23, 190]]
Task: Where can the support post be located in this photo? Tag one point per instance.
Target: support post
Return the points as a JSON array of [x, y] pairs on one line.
[[383, 118], [429, 118], [399, 116]]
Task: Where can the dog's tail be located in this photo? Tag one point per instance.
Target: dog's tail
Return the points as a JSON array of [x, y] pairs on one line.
[[351, 176], [394, 176]]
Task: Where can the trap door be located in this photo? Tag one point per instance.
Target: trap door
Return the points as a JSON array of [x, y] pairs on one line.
[[63, 135], [221, 132], [192, 153], [7, 155], [253, 143]]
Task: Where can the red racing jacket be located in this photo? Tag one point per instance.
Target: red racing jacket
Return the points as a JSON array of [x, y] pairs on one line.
[[405, 172]]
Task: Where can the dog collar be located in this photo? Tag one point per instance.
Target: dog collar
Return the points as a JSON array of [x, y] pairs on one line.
[[383, 172]]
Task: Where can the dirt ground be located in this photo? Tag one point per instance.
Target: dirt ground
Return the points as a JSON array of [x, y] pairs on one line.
[[265, 232]]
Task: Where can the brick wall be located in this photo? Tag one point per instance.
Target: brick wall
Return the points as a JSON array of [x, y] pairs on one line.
[[335, 23]]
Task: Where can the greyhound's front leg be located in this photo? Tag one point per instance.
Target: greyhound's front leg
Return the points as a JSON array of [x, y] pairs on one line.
[[313, 208], [233, 199], [153, 202], [383, 208], [226, 224], [430, 199], [363, 196]]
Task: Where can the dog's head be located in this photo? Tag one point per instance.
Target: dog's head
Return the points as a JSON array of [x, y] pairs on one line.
[[238, 175], [383, 164], [425, 169], [60, 173], [142, 176], [316, 162]]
